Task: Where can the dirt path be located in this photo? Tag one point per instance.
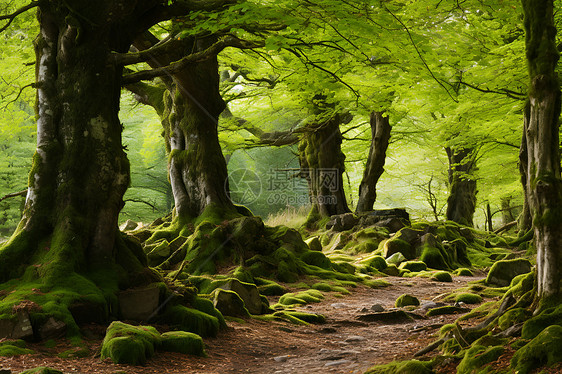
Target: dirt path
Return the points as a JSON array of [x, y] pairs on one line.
[[343, 344]]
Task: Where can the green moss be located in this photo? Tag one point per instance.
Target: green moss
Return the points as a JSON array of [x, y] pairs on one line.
[[307, 317], [206, 306], [269, 287], [548, 317], [463, 272], [544, 350], [402, 367], [405, 300], [183, 342], [191, 320], [413, 265], [391, 270], [14, 348], [377, 283], [375, 261], [397, 245], [42, 370], [477, 356], [126, 344], [306, 297], [468, 298], [448, 309], [512, 317], [442, 276], [322, 287], [433, 258], [504, 271]]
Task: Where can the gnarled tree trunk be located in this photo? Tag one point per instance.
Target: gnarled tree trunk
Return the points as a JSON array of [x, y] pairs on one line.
[[461, 203], [380, 136], [542, 113], [322, 165]]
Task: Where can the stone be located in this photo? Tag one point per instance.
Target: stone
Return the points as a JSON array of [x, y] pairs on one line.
[[249, 294], [414, 266], [281, 358], [139, 304], [229, 303], [128, 225], [397, 245], [355, 339], [502, 272], [338, 362], [377, 308], [396, 258], [342, 222], [392, 224], [406, 300], [314, 244], [392, 317], [52, 329], [17, 328], [409, 235]]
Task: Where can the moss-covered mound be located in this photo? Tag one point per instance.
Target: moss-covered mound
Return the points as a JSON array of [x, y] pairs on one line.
[[403, 367], [14, 348], [406, 300], [134, 345], [544, 350], [42, 370]]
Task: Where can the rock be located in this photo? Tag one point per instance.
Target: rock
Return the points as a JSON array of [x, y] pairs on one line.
[[397, 245], [430, 305], [281, 358], [229, 303], [414, 266], [314, 243], [52, 329], [392, 317], [338, 362], [406, 300], [342, 222], [139, 304], [409, 235], [377, 308], [249, 294], [396, 258], [128, 225], [392, 224], [338, 305], [392, 270], [17, 328], [355, 339], [502, 272]]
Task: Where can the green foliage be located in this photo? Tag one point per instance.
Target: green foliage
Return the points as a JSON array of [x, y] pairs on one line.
[[126, 344]]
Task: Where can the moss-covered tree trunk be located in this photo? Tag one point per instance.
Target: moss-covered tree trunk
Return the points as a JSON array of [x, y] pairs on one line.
[[380, 136], [461, 203], [80, 172], [190, 112], [544, 188], [322, 165], [525, 221]]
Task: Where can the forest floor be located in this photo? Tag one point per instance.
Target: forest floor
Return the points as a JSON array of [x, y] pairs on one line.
[[343, 344]]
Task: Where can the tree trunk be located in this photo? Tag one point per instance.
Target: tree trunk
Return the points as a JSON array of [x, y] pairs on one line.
[[544, 188], [68, 238], [192, 106], [507, 210], [461, 203], [322, 165], [380, 136]]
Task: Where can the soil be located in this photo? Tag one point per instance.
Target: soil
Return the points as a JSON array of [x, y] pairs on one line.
[[344, 344]]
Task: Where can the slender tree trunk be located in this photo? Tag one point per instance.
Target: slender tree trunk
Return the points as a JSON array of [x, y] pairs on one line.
[[380, 136], [322, 165], [461, 203], [544, 188]]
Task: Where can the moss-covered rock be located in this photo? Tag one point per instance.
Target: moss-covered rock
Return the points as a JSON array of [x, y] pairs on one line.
[[406, 300], [468, 298], [464, 272], [413, 266], [314, 244], [442, 276], [127, 344], [191, 320], [395, 259], [183, 342], [397, 245], [305, 297], [391, 270], [477, 356], [14, 348], [502, 272], [375, 261], [534, 326], [544, 350], [229, 303], [269, 288]]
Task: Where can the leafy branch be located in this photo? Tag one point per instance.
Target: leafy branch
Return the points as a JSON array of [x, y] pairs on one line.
[[11, 17]]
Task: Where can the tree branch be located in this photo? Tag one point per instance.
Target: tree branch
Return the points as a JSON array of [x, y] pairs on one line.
[[174, 67], [14, 194], [502, 91], [11, 17]]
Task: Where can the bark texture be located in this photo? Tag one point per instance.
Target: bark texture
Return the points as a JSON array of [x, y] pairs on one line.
[[544, 188], [525, 221], [380, 136], [322, 165], [461, 203]]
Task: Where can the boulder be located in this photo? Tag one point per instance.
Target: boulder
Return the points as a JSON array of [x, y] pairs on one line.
[[406, 300], [392, 224], [249, 294], [139, 304], [502, 272], [414, 266], [18, 327], [342, 222], [396, 259], [397, 245], [52, 329], [229, 303]]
